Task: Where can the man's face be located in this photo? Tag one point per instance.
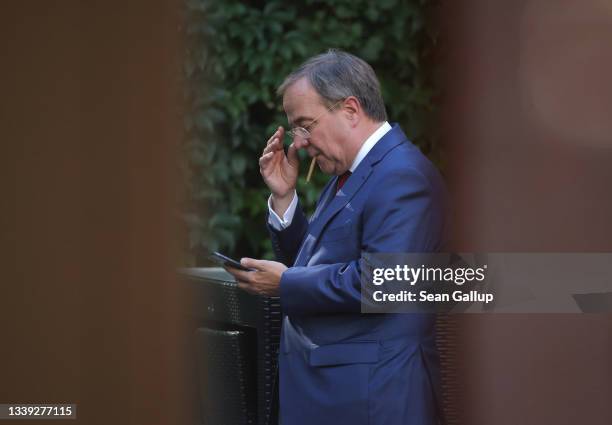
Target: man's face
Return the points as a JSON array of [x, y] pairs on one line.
[[303, 105]]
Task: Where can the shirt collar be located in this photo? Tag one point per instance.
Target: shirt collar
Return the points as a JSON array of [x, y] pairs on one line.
[[369, 144]]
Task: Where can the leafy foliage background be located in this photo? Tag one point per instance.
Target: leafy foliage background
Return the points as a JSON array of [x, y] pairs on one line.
[[237, 53]]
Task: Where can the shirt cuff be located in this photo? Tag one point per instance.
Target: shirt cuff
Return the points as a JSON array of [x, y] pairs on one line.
[[278, 223]]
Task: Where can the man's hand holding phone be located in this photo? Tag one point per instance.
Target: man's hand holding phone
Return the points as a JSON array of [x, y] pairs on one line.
[[263, 278]]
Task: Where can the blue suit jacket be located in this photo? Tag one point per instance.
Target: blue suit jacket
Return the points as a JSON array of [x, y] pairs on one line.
[[337, 365]]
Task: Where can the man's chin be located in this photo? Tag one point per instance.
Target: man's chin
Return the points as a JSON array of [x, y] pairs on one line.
[[324, 166]]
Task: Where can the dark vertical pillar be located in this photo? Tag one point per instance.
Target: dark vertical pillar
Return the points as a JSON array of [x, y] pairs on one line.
[[526, 124], [91, 310]]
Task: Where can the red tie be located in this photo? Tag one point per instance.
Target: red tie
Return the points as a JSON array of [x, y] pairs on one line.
[[341, 180]]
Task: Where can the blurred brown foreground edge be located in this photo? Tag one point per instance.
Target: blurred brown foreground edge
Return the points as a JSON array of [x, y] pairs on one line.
[[93, 311]]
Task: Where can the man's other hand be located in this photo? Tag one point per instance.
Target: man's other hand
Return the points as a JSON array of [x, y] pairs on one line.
[[263, 280]]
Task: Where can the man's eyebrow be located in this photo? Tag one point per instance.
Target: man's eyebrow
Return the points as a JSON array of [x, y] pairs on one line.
[[299, 121]]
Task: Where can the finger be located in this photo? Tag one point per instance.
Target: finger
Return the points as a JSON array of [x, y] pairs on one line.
[[267, 164], [278, 134], [292, 155], [230, 270], [265, 159], [274, 146], [252, 263], [239, 275], [275, 135], [248, 288]]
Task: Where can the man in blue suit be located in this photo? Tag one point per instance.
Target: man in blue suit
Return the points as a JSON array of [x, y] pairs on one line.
[[336, 364]]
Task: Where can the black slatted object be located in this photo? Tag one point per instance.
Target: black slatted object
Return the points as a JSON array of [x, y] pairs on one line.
[[252, 329], [270, 324], [446, 342], [227, 392]]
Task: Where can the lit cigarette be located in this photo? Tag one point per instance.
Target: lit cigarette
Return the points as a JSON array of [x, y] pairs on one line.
[[311, 169]]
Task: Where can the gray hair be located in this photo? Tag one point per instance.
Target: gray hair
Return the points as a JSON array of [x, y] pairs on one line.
[[336, 75]]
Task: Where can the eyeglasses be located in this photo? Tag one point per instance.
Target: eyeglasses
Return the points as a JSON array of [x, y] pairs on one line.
[[304, 132]]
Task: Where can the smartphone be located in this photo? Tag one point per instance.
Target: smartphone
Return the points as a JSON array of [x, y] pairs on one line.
[[224, 260]]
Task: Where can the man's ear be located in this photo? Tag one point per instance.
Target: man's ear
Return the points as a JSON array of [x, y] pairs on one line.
[[352, 110]]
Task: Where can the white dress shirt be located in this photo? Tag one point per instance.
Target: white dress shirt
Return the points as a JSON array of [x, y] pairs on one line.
[[278, 223]]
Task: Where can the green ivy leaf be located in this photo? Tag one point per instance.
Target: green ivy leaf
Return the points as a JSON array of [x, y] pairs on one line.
[[238, 164], [372, 48]]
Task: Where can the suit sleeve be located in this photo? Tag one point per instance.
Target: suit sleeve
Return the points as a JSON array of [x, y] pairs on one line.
[[405, 217], [286, 242]]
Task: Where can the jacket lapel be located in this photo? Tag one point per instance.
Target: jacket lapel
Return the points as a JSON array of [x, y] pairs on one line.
[[327, 195]]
